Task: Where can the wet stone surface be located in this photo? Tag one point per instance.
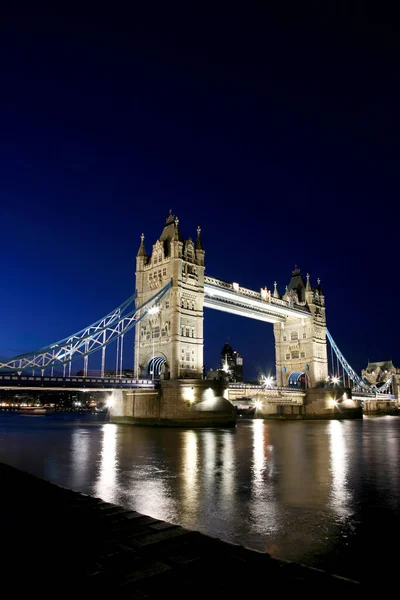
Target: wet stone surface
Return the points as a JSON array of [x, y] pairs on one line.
[[55, 540]]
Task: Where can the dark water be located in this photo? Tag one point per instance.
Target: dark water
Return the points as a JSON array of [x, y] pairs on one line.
[[326, 494]]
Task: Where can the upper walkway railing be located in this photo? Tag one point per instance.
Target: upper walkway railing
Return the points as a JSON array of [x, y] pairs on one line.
[[231, 297]]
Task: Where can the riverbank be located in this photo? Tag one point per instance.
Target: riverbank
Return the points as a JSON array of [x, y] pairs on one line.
[[56, 539]]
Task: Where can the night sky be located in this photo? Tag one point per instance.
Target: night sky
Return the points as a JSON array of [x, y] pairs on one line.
[[276, 131]]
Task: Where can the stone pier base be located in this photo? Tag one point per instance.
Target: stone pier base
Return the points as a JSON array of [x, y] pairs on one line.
[[176, 403], [381, 407], [331, 403], [314, 403]]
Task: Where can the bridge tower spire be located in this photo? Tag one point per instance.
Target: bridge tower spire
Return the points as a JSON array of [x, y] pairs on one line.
[[300, 344], [169, 342]]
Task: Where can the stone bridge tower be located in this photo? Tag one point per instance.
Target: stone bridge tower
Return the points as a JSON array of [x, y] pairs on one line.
[[300, 344], [169, 343]]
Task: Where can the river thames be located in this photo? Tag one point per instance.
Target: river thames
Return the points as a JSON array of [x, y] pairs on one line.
[[325, 494]]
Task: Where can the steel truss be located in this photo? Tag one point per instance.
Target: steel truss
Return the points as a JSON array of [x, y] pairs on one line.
[[353, 375], [91, 339]]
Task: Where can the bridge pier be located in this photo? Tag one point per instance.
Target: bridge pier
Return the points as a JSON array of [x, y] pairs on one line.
[[286, 403], [331, 403], [176, 403]]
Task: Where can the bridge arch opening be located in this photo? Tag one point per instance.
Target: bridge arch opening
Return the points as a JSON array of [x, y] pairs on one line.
[[298, 380], [155, 366]]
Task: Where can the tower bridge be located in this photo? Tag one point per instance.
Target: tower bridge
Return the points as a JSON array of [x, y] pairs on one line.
[[166, 313]]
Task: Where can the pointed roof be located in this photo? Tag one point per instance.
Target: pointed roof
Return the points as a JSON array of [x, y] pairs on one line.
[[171, 229], [199, 245], [227, 349], [383, 365], [142, 249], [319, 287], [297, 283], [276, 293]]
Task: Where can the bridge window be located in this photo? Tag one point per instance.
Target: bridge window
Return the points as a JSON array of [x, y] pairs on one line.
[[155, 260], [164, 272], [303, 355], [295, 354], [164, 331], [167, 304], [182, 331], [150, 277], [187, 332], [156, 332], [192, 305], [193, 332], [294, 335], [287, 356], [147, 334], [159, 258], [159, 274], [284, 338]]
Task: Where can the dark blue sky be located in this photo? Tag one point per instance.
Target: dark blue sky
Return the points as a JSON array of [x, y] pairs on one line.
[[275, 131]]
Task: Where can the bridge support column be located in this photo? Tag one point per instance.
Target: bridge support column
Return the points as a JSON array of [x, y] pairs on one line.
[[300, 343], [173, 333]]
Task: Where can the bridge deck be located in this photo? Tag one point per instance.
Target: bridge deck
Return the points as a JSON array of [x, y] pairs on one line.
[[27, 382]]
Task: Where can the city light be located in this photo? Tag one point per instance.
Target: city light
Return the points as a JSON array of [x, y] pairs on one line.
[[335, 380], [188, 395], [267, 382], [154, 310]]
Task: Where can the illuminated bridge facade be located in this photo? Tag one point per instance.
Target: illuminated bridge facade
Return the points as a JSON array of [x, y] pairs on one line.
[[166, 315]]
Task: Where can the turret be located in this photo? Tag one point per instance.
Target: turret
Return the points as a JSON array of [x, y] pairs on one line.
[[199, 248]]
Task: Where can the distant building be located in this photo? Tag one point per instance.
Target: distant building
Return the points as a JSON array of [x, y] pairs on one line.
[[378, 373], [232, 363], [231, 366]]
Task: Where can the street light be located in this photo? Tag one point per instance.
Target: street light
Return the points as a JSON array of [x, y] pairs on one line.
[[153, 311]]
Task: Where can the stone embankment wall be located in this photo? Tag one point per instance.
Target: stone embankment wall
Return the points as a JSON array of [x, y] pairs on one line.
[[381, 407], [176, 403]]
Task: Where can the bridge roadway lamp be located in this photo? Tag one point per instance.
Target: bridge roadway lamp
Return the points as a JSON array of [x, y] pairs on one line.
[[154, 310]]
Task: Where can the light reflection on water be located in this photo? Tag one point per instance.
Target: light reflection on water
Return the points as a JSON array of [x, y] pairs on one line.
[[325, 494], [106, 484], [341, 495]]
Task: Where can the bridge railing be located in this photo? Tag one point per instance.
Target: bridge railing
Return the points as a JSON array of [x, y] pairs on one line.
[[28, 380], [261, 388], [242, 291]]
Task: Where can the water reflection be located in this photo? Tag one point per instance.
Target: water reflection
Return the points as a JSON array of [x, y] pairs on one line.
[[262, 509], [190, 490], [79, 458], [106, 483], [324, 493], [228, 468], [340, 495], [258, 456]]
